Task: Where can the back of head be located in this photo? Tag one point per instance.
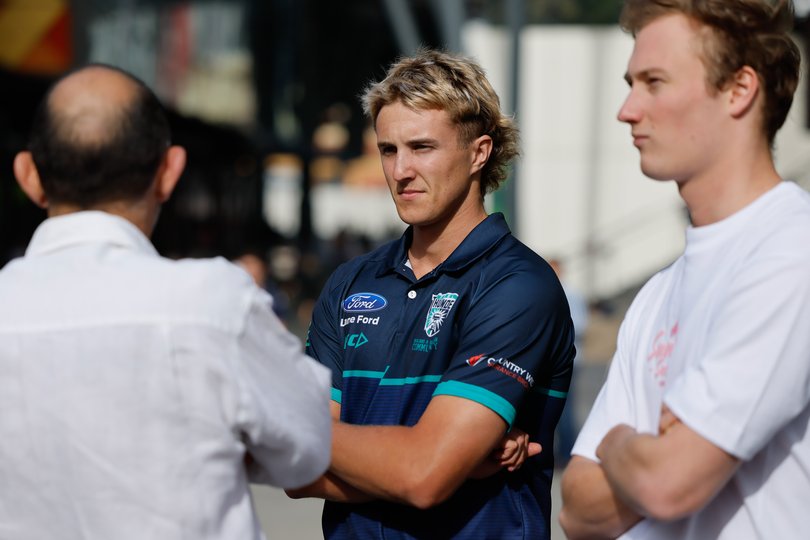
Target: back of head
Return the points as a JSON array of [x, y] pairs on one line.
[[434, 80], [98, 137], [739, 33]]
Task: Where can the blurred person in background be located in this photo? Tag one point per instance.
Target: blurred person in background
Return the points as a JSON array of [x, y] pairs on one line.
[[701, 429], [569, 422], [255, 264], [442, 341], [134, 388]]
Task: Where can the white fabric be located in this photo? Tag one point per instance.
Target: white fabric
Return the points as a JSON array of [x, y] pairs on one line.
[[722, 336], [131, 386]]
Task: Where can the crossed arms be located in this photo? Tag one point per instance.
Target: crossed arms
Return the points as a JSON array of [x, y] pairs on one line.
[[664, 477], [421, 465]]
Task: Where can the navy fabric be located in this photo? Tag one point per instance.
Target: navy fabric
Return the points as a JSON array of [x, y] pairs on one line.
[[490, 324]]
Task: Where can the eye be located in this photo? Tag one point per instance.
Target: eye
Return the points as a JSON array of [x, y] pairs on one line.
[[387, 150], [654, 82]]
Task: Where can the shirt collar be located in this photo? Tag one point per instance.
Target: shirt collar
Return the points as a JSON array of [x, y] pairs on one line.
[[485, 235], [87, 227]]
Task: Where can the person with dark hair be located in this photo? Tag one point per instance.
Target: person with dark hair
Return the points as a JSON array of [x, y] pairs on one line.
[[134, 389], [701, 429], [443, 341]]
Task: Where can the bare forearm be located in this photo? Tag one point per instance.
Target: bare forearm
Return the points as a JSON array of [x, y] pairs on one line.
[[590, 507], [331, 488], [420, 465], [628, 461], [667, 476], [384, 462]]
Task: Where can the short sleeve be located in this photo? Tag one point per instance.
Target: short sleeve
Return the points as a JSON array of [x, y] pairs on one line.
[[284, 412], [754, 377], [613, 405], [323, 337], [517, 338], [626, 397]]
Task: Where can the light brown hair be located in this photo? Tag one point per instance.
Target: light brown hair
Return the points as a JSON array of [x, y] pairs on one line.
[[738, 33]]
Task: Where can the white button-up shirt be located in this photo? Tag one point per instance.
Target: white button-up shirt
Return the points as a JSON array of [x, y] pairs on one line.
[[131, 387]]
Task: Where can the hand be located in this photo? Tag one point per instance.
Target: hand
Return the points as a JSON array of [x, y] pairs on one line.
[[616, 437], [511, 453], [667, 420]]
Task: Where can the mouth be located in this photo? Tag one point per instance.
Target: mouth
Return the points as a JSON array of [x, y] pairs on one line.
[[408, 194], [638, 140]]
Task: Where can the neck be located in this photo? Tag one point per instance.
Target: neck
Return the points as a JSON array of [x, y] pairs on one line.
[[433, 244], [729, 186], [140, 213]]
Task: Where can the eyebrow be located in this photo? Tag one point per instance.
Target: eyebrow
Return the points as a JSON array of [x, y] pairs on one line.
[[410, 142], [643, 74], [422, 141]]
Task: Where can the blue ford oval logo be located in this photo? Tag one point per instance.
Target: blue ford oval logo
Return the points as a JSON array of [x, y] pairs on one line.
[[364, 301]]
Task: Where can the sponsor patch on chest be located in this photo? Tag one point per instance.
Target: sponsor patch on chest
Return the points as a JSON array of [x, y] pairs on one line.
[[440, 307]]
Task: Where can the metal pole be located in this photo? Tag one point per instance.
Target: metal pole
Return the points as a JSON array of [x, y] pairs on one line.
[[403, 24], [516, 19], [450, 14]]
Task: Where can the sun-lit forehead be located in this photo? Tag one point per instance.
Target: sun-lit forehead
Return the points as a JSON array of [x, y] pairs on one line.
[[399, 124], [670, 45]]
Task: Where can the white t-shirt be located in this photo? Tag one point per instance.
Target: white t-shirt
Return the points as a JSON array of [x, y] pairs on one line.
[[131, 387], [722, 336]]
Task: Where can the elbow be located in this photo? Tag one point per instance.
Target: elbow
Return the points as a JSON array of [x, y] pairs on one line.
[[303, 492], [424, 498], [667, 508], [296, 493], [577, 528], [663, 501], [427, 492], [571, 527]]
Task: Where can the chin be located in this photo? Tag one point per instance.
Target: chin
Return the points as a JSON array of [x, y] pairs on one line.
[[656, 174]]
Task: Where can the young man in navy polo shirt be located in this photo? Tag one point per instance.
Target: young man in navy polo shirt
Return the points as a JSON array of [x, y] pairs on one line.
[[444, 340]]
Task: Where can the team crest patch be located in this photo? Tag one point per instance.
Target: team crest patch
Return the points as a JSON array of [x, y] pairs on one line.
[[439, 310]]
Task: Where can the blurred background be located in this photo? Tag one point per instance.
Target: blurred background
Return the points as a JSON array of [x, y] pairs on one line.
[[283, 174], [282, 166]]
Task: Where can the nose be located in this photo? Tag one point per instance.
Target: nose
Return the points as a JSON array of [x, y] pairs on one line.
[[630, 111], [402, 167]]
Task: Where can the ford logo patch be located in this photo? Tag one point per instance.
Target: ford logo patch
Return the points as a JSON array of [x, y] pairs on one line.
[[364, 301]]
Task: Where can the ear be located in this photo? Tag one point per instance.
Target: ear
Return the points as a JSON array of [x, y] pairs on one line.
[[481, 149], [743, 90], [25, 171], [174, 161]]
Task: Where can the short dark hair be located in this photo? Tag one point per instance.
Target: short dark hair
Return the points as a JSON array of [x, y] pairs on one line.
[[751, 33], [456, 84], [120, 166]]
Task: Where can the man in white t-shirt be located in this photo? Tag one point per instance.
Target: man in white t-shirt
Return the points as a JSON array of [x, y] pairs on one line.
[[701, 429], [134, 388]]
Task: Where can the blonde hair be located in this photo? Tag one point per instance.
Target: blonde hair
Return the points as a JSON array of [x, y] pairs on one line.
[[456, 84]]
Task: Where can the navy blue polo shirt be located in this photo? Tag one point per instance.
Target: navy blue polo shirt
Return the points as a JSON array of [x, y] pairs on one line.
[[490, 324]]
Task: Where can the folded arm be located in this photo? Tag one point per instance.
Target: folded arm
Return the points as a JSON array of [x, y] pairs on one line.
[[509, 452], [420, 465], [591, 509], [668, 476], [664, 477]]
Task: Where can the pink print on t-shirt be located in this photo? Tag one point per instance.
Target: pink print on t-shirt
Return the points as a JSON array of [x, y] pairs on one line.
[[658, 359]]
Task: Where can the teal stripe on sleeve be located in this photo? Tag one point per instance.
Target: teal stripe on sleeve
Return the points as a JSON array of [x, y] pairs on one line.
[[337, 395], [480, 395], [552, 393]]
